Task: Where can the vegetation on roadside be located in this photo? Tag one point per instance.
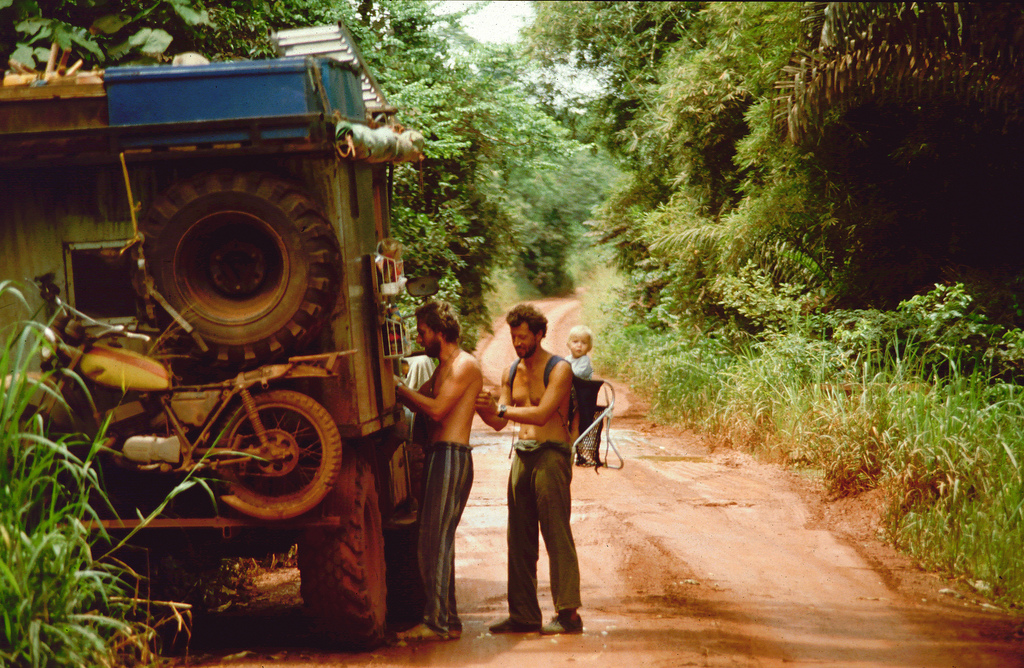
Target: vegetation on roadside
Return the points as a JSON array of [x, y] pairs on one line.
[[825, 275], [872, 400], [816, 233], [59, 604]]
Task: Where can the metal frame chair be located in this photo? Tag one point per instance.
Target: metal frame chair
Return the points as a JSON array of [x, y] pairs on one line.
[[594, 419]]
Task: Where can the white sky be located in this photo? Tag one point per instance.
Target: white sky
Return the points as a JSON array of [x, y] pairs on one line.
[[498, 22]]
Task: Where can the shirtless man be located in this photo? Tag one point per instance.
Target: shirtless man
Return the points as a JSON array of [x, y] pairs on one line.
[[447, 402], [538, 485]]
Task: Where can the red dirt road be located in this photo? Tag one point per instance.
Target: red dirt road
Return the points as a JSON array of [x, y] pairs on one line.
[[689, 557]]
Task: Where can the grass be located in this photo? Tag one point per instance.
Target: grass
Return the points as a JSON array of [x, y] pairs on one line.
[[59, 606], [945, 447]]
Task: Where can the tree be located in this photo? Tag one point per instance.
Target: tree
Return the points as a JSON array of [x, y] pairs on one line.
[[101, 33], [452, 210], [855, 53], [904, 172], [911, 113], [706, 70], [552, 204], [620, 43]]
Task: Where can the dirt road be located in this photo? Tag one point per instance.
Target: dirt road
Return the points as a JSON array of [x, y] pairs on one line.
[[689, 557]]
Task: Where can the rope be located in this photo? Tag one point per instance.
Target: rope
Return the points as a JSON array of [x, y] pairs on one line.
[[133, 208]]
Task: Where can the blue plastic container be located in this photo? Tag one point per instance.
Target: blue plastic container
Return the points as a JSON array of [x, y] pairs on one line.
[[243, 90]]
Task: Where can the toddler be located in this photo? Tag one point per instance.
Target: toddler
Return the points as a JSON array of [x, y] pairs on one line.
[[581, 340]]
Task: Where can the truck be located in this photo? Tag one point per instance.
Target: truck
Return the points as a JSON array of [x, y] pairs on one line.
[[256, 198]]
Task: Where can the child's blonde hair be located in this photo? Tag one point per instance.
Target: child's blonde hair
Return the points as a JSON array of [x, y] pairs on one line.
[[583, 332]]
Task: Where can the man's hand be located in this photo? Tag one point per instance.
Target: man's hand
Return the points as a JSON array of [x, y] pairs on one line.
[[486, 404]]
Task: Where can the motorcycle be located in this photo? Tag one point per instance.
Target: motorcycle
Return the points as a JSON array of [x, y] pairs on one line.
[[277, 450]]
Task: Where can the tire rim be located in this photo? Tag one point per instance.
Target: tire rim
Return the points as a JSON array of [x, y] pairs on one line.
[[232, 268]]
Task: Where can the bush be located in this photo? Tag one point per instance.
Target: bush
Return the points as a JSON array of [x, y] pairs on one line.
[[59, 605], [909, 401]]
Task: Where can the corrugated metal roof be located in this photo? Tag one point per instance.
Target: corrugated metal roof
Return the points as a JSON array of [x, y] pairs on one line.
[[332, 41]]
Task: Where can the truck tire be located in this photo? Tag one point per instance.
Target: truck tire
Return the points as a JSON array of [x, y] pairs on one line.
[[248, 259], [406, 598], [342, 568]]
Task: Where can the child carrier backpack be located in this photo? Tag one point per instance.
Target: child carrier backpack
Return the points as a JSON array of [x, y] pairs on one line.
[[583, 399]]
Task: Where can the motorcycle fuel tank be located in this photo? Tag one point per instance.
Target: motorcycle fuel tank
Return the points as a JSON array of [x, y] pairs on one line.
[[124, 369]]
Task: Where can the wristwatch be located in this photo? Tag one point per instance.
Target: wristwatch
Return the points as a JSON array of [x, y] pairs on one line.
[[501, 410]]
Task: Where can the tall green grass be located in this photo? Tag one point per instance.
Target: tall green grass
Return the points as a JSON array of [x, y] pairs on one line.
[[59, 605], [944, 444]]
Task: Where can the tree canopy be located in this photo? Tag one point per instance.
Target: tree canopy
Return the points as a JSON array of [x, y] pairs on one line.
[[860, 151]]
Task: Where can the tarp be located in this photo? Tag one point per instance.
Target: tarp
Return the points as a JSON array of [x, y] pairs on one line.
[[381, 144]]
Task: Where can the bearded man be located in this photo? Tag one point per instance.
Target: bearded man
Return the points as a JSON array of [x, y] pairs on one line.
[[535, 392], [447, 401]]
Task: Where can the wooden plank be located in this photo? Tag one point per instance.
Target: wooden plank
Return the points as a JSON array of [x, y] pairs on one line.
[[52, 108], [51, 91]]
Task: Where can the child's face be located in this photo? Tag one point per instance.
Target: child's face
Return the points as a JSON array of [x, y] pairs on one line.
[[578, 345]]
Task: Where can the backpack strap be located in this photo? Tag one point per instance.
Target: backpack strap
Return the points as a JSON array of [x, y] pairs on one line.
[[552, 361], [555, 359]]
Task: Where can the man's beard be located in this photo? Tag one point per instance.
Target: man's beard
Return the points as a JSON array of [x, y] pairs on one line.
[[433, 349], [528, 351]]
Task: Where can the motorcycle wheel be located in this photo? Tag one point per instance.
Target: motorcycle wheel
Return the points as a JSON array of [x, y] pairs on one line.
[[298, 469], [248, 259], [342, 568]]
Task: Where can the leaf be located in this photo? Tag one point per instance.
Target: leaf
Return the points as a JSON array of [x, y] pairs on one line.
[[191, 15], [119, 50], [4, 4], [89, 45], [151, 41], [109, 24], [34, 27], [24, 55]]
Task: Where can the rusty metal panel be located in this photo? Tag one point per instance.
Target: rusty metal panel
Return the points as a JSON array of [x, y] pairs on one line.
[[42, 211], [344, 190]]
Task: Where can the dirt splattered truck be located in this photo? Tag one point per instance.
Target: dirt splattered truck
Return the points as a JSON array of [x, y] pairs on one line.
[[238, 213]]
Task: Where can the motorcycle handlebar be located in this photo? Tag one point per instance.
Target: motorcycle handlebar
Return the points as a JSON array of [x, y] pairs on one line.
[[107, 329]]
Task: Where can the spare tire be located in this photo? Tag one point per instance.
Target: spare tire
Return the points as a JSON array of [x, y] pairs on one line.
[[248, 259]]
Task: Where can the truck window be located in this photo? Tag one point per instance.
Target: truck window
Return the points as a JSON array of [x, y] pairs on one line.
[[99, 280]]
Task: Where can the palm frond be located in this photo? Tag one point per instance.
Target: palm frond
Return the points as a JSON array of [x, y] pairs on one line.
[[792, 265], [970, 53], [703, 238]]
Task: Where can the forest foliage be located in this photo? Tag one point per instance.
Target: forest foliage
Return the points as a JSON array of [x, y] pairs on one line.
[[819, 229], [861, 151], [817, 215]]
